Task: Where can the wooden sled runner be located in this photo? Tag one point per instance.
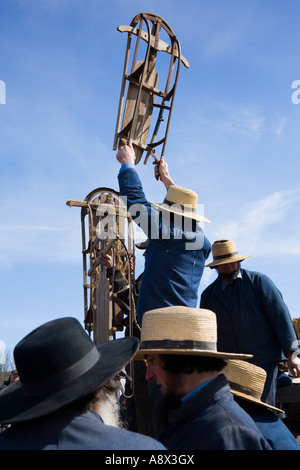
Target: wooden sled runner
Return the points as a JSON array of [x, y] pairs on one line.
[[106, 227], [140, 82]]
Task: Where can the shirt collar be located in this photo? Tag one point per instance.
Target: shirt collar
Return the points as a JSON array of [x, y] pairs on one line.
[[238, 276], [195, 391]]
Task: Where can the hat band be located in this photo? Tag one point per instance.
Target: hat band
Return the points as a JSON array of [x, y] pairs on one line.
[[229, 255], [242, 389], [178, 344], [61, 378], [184, 207]]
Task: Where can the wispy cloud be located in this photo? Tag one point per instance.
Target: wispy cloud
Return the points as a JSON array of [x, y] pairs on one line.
[[267, 226], [241, 119], [42, 244], [44, 232], [245, 119], [279, 127], [224, 119]]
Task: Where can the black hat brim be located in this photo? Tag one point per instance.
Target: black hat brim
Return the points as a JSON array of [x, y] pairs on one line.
[[16, 407]]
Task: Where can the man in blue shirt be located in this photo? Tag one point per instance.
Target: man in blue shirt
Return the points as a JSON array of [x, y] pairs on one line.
[[251, 315], [178, 248]]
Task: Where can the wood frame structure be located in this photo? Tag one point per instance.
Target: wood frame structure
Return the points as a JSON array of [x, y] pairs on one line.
[[105, 226]]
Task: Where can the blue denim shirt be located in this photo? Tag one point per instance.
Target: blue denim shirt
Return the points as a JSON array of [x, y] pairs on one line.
[[175, 256]]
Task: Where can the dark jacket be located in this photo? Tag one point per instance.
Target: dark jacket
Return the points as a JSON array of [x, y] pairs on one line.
[[209, 420], [175, 256], [271, 426], [121, 286], [70, 430], [251, 317]]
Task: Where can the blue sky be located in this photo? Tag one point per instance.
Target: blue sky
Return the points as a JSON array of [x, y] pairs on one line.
[[234, 138]]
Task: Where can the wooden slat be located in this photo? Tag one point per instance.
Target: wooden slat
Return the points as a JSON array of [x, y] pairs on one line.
[[141, 126], [160, 46], [103, 313]]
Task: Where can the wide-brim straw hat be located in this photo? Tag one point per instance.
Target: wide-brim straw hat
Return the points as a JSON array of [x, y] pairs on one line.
[[247, 381], [181, 330], [58, 363], [181, 201], [225, 251]]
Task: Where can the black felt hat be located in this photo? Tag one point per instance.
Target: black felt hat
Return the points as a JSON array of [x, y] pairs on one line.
[[57, 364]]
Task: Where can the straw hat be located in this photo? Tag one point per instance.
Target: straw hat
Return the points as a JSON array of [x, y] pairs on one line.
[[247, 381], [181, 201], [181, 330], [58, 363], [225, 251]]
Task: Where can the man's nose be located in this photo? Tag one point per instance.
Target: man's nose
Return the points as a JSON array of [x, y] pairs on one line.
[[149, 373]]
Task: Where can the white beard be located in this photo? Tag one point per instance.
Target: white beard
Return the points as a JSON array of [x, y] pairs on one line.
[[110, 412]]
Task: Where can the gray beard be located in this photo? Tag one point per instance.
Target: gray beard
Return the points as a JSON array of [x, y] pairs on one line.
[[229, 276], [110, 412]]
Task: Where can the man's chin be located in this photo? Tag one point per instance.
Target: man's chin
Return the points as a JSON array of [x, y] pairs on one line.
[[174, 401], [226, 277]]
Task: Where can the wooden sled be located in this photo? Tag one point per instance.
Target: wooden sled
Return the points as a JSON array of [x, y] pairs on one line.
[[141, 85], [105, 226]]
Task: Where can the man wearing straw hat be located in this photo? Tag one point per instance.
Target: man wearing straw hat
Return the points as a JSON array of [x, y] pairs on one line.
[[177, 249], [198, 411], [247, 383], [251, 315], [66, 383]]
